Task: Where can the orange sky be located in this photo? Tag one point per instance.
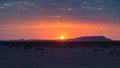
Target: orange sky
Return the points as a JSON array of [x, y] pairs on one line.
[[55, 30], [50, 19]]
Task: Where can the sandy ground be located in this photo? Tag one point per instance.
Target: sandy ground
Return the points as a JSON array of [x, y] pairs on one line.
[[85, 57]]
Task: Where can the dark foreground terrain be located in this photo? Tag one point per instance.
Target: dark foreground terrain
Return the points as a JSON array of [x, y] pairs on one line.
[[59, 44], [59, 54]]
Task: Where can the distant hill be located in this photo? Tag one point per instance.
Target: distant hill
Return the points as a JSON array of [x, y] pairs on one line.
[[84, 38], [91, 38]]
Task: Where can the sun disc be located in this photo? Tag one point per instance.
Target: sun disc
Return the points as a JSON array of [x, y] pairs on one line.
[[62, 37]]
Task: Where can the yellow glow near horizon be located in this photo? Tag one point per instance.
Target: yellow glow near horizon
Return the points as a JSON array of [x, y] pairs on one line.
[[62, 37]]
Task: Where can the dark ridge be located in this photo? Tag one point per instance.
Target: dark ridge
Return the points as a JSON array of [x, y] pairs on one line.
[[91, 38]]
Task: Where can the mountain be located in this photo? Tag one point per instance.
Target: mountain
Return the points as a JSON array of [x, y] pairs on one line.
[[91, 38]]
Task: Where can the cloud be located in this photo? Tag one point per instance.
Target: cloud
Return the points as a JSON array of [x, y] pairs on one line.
[[16, 4], [55, 16]]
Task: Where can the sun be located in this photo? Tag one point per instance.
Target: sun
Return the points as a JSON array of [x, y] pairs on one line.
[[62, 37]]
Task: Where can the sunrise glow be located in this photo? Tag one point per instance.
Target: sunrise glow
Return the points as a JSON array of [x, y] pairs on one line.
[[62, 37], [50, 19]]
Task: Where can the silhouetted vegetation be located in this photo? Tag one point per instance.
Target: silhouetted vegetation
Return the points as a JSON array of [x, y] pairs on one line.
[[58, 44]]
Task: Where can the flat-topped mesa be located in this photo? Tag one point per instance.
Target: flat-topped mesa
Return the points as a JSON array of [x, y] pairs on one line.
[[91, 38]]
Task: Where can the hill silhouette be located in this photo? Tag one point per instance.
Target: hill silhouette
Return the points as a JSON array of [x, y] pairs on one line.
[[91, 38]]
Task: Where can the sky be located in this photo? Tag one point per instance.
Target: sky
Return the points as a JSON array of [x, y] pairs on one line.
[[50, 19]]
